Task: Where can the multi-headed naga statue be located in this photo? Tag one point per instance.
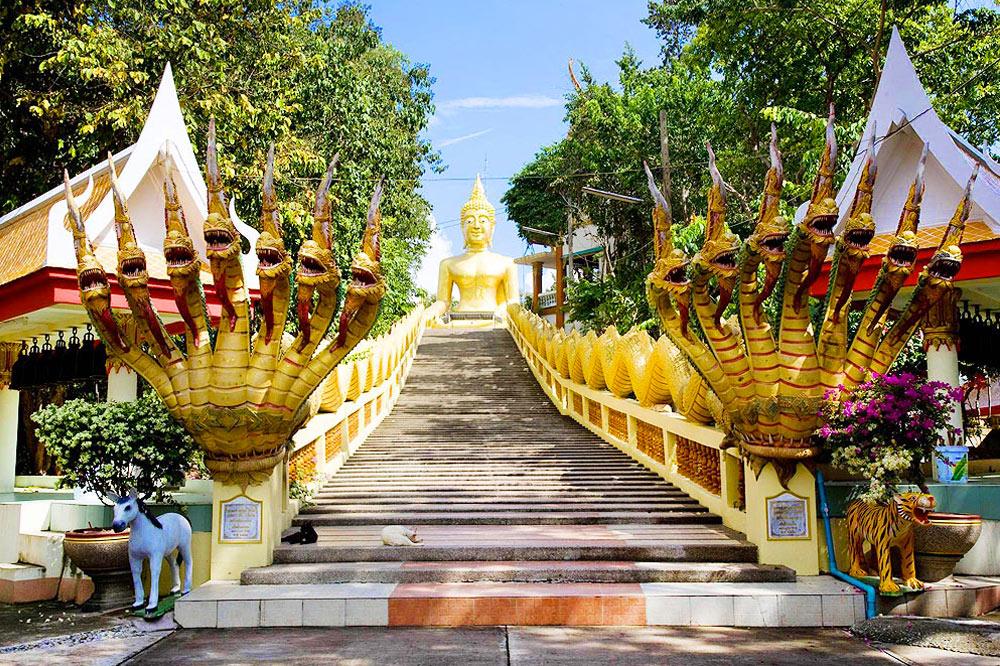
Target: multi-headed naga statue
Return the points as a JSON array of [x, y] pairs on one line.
[[771, 375], [240, 399]]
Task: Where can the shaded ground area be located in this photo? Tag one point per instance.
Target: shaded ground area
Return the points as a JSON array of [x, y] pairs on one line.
[[22, 623], [980, 637], [693, 646]]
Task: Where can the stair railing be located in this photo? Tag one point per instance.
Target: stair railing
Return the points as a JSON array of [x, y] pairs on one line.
[[689, 455], [352, 401]]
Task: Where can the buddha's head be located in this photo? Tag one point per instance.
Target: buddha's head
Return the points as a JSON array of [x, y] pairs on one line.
[[478, 219]]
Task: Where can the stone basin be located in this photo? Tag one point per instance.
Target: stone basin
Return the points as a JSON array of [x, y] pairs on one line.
[[942, 543]]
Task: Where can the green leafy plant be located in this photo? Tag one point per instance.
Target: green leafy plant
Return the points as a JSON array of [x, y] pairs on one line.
[[300, 491], [110, 447]]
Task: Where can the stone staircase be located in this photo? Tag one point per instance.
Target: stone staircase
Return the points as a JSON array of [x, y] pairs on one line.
[[502, 488], [526, 519]]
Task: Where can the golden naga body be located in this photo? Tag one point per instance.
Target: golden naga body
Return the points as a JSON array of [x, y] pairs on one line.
[[242, 399], [486, 281], [771, 375]]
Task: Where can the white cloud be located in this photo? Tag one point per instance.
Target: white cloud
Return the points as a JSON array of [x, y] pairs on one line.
[[512, 102], [465, 137], [426, 275]]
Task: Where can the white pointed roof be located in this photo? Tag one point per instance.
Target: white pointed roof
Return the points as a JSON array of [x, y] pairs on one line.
[[903, 118], [163, 142]]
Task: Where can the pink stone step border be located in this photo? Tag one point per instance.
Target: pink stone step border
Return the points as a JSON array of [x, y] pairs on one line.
[[812, 601]]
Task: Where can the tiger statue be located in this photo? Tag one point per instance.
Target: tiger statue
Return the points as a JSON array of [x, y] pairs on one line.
[[884, 526]]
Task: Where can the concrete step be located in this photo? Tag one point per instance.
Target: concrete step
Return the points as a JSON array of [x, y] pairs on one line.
[[533, 507], [639, 542], [816, 601], [395, 517], [531, 571]]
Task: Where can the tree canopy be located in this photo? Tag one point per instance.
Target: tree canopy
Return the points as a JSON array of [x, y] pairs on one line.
[[729, 70], [77, 78]]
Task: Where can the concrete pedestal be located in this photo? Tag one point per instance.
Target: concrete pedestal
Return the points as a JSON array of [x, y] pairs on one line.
[[230, 556], [800, 551]]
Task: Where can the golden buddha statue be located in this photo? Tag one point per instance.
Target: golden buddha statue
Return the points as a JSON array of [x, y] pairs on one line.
[[487, 282]]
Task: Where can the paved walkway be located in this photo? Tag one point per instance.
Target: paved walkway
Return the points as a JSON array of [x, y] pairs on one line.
[[502, 646], [523, 646]]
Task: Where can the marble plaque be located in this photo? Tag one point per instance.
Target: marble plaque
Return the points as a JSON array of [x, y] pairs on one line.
[[241, 520], [787, 517]]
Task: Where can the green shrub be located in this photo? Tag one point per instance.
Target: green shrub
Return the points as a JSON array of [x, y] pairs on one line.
[[114, 446]]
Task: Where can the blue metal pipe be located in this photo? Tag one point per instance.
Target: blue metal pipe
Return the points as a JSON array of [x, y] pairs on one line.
[[832, 556]]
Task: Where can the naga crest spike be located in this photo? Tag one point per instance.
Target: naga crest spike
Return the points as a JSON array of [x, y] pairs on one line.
[[322, 231], [123, 224], [661, 217], [952, 238], [270, 219], [216, 196], [372, 243]]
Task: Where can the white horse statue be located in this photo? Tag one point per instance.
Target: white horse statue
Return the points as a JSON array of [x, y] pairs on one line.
[[153, 539]]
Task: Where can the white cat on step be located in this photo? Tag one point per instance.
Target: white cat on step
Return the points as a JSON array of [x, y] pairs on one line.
[[397, 535]]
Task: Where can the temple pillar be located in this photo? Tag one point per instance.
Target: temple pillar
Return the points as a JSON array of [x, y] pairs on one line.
[[9, 409], [941, 345], [536, 284], [560, 278], [123, 385]]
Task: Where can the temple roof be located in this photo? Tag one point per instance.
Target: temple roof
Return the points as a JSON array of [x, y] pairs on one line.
[[903, 119], [34, 235]]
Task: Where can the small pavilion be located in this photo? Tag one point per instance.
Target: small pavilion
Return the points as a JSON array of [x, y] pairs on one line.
[[903, 119]]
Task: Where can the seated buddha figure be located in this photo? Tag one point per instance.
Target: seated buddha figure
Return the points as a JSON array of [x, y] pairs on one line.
[[487, 282]]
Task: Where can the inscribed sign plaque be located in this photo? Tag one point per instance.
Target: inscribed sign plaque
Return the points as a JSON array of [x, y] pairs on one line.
[[787, 517], [241, 518]]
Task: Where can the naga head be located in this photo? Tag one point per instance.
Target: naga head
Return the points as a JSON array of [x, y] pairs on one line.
[[947, 260], [132, 273], [178, 248], [669, 277], [721, 248], [821, 214], [273, 263], [860, 226], [95, 289], [222, 240], [771, 231], [367, 286], [939, 273], [317, 267]]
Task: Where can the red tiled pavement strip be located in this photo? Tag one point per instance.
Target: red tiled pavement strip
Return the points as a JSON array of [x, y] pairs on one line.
[[471, 604]]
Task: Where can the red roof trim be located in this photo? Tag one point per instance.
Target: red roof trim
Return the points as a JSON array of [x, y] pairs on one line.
[[58, 286], [979, 260]]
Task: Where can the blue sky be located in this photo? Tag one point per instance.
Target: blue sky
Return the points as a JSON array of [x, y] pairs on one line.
[[500, 89]]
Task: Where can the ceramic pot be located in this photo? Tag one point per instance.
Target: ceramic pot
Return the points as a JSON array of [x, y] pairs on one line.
[[102, 554], [942, 543]]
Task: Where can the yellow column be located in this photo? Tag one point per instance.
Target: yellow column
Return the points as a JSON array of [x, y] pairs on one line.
[[800, 553], [239, 547]]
